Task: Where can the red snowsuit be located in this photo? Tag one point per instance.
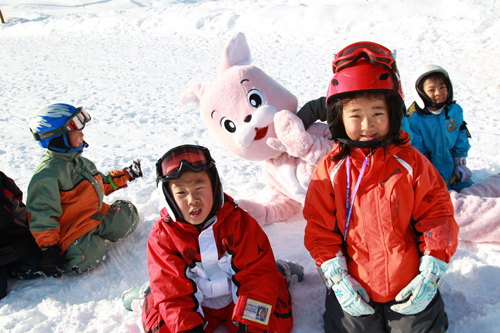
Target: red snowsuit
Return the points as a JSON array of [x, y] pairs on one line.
[[245, 275], [401, 210]]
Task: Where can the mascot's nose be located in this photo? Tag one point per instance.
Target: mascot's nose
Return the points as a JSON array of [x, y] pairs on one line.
[[263, 117]]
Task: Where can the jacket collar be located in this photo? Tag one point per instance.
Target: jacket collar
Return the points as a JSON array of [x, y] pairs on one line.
[[356, 153], [62, 156]]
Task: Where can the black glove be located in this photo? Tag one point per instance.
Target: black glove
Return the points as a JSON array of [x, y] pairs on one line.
[[134, 170], [52, 265], [197, 329]]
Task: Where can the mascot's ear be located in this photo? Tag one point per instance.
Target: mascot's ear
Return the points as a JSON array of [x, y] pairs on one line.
[[235, 53], [194, 94]]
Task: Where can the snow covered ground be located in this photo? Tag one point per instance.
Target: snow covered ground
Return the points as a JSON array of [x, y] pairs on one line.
[[128, 61]]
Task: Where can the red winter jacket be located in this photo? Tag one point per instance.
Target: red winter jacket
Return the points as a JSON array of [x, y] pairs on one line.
[[173, 250], [401, 210]]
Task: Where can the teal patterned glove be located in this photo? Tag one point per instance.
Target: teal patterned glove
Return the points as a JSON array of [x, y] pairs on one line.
[[423, 287], [351, 295]]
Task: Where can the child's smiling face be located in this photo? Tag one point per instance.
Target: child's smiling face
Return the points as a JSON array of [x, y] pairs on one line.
[[436, 90], [193, 195], [366, 119]]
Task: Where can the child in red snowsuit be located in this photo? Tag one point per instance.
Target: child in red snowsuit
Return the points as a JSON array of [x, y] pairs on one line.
[[380, 221], [209, 261]]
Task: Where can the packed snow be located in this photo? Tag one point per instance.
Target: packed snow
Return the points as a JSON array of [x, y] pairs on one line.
[[128, 61]]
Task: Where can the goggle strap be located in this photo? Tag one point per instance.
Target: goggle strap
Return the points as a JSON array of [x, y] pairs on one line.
[[44, 135]]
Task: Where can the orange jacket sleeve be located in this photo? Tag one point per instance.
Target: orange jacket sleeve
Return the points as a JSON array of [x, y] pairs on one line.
[[322, 237], [114, 180], [433, 213]]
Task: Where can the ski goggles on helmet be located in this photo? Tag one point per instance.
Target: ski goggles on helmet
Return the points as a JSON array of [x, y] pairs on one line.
[[75, 122], [373, 52], [364, 66], [177, 160]]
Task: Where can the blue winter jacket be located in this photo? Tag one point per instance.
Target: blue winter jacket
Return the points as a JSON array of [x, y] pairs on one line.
[[440, 137]]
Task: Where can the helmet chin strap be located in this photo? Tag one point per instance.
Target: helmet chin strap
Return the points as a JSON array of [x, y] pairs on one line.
[[172, 210], [436, 105], [360, 144]]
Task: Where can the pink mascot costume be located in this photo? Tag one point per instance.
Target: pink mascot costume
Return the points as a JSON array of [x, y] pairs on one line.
[[253, 117], [477, 211]]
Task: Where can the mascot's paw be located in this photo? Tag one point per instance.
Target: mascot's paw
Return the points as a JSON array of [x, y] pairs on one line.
[[276, 144], [292, 134], [278, 209], [255, 209]]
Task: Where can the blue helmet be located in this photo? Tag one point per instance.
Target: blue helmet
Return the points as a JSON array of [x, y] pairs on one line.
[[54, 121]]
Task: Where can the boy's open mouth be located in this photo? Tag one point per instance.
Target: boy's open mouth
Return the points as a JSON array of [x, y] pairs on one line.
[[195, 212]]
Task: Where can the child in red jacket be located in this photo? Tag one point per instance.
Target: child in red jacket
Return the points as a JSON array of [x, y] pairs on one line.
[[380, 221], [209, 261]]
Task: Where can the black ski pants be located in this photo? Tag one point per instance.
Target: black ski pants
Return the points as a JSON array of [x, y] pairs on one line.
[[432, 320], [23, 269]]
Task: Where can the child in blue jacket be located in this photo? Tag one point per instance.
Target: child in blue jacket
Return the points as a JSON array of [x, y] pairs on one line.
[[438, 126]]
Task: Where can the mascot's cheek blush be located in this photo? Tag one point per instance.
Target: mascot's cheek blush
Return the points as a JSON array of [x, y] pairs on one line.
[[260, 133]]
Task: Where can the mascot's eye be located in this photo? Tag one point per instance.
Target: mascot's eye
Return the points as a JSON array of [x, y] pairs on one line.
[[255, 98], [228, 125]]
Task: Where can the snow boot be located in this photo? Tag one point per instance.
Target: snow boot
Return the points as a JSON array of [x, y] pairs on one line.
[[292, 271], [133, 299]]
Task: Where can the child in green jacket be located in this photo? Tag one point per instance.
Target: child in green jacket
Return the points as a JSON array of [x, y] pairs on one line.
[[68, 217]]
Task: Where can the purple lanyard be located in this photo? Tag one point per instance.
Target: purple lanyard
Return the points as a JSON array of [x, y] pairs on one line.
[[348, 207]]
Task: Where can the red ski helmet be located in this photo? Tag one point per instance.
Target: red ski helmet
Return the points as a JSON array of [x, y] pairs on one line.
[[364, 67], [363, 76]]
